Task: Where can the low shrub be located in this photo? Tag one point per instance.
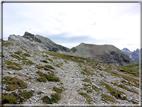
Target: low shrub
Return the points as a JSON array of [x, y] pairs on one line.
[[49, 66], [28, 62], [86, 80], [14, 83], [8, 99], [26, 94], [41, 79], [44, 61], [13, 65], [107, 97], [54, 98], [26, 54], [88, 98], [16, 56], [18, 52], [52, 77], [58, 90]]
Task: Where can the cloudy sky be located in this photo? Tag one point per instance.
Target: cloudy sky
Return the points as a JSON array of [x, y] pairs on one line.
[[69, 24]]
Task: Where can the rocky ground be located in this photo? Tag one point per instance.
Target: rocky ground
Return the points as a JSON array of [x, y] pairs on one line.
[[74, 80]]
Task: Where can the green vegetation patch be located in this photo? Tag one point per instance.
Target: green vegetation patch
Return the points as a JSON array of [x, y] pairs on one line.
[[14, 83], [16, 56], [49, 66], [44, 61], [26, 54], [54, 98], [107, 97], [18, 52], [16, 98], [26, 94], [114, 92], [86, 80], [128, 78], [49, 59], [132, 71], [39, 66], [8, 99], [88, 98], [69, 57], [58, 90], [85, 72], [52, 77], [6, 44], [13, 65], [41, 79], [121, 86], [132, 65], [28, 62], [95, 88]]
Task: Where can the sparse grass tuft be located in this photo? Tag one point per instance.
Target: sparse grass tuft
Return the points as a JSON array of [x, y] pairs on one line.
[[39, 66], [6, 44], [88, 98], [18, 52], [26, 94], [41, 79], [8, 99], [15, 56], [14, 83], [58, 90], [49, 59], [49, 66], [54, 98], [52, 77], [114, 92], [13, 65], [44, 61], [28, 62], [107, 97], [95, 88], [26, 54], [86, 80], [132, 71]]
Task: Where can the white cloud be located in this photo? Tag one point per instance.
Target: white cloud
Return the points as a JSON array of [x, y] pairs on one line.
[[112, 23]]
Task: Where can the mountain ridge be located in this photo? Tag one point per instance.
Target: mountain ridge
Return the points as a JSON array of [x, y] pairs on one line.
[[105, 53]]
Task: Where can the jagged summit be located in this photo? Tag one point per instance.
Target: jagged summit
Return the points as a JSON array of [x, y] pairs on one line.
[[125, 49], [29, 40]]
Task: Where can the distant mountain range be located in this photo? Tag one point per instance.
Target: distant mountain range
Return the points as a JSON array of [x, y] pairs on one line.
[[105, 53], [134, 55]]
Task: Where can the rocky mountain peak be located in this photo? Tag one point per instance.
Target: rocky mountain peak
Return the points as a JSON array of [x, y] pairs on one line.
[[125, 49], [41, 43]]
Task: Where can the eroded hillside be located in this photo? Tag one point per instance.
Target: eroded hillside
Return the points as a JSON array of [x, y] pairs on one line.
[[38, 77]]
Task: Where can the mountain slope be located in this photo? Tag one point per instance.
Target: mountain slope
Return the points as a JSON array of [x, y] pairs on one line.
[[105, 53], [38, 77], [41, 43]]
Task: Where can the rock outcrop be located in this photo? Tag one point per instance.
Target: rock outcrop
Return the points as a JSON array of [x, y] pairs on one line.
[[106, 53], [41, 43]]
